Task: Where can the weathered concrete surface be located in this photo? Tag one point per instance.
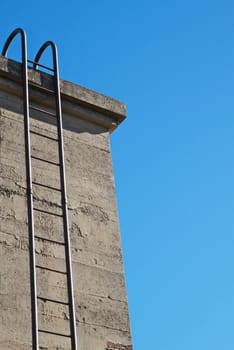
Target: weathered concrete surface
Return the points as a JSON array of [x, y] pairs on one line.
[[99, 285]]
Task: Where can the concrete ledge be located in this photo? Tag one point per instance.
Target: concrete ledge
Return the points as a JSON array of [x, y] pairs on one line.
[[110, 112]]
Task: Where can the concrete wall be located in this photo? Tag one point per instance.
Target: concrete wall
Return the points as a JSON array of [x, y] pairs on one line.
[[99, 285]]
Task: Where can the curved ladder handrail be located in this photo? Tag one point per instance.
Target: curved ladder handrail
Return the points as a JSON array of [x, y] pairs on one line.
[[41, 51], [63, 183], [23, 43], [24, 58]]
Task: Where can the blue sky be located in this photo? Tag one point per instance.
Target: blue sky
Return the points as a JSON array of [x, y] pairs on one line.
[[172, 63]]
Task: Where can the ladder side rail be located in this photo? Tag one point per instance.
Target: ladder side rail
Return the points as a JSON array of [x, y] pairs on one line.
[[63, 187], [34, 310]]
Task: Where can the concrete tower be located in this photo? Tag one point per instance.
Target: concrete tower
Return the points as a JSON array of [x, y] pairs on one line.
[[101, 309]]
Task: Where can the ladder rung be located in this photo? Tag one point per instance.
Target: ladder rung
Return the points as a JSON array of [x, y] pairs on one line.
[[46, 161], [43, 111], [46, 186], [50, 269], [54, 333], [58, 206], [53, 301], [42, 135], [40, 65], [48, 212], [41, 87], [49, 240]]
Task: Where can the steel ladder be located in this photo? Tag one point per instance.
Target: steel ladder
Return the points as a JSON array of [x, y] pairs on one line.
[[35, 268]]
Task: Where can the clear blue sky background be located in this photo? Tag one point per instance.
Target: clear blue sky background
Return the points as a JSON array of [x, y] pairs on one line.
[[172, 63]]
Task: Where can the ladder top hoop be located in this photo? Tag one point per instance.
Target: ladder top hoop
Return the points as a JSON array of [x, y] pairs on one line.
[[10, 39], [41, 51]]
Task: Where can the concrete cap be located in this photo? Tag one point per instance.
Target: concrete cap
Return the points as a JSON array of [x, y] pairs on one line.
[[110, 112]]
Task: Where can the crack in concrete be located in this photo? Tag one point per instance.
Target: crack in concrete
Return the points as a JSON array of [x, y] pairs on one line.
[[104, 297], [95, 211], [102, 326], [6, 192]]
